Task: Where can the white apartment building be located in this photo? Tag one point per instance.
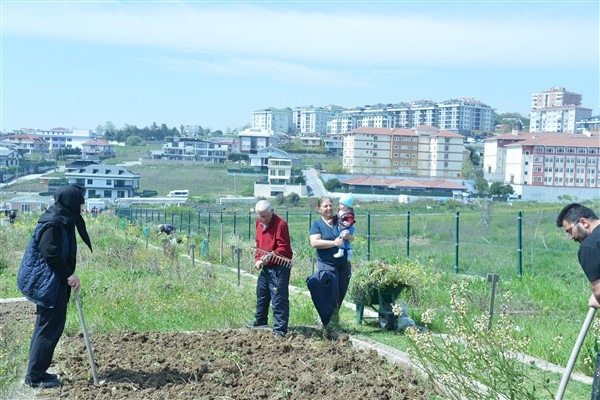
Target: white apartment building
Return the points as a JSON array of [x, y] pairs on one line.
[[311, 120], [544, 166], [557, 110], [423, 151], [465, 115], [273, 119]]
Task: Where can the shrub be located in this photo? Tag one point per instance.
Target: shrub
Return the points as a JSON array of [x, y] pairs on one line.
[[378, 275]]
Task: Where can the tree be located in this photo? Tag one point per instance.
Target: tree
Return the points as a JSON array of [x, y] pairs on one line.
[[499, 189], [134, 141], [300, 179], [280, 199], [293, 199], [332, 184], [481, 185]]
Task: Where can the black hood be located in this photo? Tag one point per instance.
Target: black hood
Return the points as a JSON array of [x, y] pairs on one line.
[[67, 210]]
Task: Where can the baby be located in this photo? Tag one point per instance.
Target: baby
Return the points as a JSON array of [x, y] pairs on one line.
[[345, 222]]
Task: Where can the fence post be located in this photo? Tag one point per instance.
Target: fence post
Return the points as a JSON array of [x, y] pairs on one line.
[[492, 278], [238, 252], [208, 233], [189, 222], [408, 234], [286, 216], [172, 217], [234, 221], [309, 219], [221, 251], [249, 224], [368, 235], [520, 249], [456, 243]]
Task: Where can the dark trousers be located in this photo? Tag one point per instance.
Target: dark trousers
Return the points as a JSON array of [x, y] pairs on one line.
[[272, 287], [49, 326], [341, 280]]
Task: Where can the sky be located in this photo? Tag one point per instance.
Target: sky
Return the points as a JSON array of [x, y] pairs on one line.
[[81, 64]]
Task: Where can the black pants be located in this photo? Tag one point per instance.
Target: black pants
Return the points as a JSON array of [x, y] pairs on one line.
[[273, 287], [49, 326]]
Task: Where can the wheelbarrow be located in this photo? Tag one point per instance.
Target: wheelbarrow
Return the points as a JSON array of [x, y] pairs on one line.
[[381, 301]]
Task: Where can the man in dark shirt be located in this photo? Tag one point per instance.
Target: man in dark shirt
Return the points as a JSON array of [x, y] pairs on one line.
[[582, 226], [272, 237]]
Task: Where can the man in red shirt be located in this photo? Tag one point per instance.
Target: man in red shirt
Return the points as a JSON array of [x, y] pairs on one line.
[[272, 236]]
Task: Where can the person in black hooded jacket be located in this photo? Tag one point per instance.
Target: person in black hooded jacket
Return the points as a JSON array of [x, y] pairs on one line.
[[56, 247]]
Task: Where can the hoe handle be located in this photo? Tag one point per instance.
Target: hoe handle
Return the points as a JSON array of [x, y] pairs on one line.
[[88, 344], [567, 374]]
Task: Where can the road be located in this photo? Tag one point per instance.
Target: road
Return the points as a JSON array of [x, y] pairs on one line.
[[315, 183]]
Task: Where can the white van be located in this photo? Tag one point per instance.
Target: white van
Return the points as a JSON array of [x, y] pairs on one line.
[[179, 193]]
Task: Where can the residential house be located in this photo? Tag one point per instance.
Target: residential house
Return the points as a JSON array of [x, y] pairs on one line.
[[61, 138], [253, 139], [195, 149], [27, 144], [97, 149], [105, 181], [280, 177]]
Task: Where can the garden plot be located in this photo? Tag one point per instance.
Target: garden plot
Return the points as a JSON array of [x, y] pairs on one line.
[[231, 364]]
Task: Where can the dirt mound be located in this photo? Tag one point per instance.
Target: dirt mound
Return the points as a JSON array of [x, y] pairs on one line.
[[232, 364]]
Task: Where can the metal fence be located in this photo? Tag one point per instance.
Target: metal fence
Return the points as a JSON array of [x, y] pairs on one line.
[[473, 242]]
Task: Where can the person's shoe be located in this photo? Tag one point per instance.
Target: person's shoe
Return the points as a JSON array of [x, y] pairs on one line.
[[340, 253], [49, 377], [257, 325], [44, 383], [278, 333]]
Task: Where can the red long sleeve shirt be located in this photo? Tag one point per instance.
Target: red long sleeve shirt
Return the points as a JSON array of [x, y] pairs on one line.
[[274, 237]]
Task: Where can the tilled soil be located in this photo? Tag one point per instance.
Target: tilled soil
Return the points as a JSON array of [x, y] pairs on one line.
[[232, 364]]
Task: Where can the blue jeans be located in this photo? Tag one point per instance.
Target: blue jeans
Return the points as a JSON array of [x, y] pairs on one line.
[[272, 287], [342, 278]]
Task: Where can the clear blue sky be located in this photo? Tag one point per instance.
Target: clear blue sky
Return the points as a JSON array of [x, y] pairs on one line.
[[79, 64]]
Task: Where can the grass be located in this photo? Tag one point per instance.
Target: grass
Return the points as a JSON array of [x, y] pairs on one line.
[[146, 290]]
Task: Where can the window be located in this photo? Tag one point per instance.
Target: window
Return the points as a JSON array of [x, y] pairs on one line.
[[582, 150], [109, 182], [395, 155], [90, 181], [549, 149], [396, 147], [107, 194]]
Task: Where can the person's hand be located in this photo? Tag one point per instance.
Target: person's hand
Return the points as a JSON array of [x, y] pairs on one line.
[[338, 241], [258, 264], [73, 281], [345, 235], [346, 223]]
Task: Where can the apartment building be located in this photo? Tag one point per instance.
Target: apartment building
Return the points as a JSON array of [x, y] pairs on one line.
[[463, 116], [557, 110], [423, 151], [273, 119], [310, 120], [544, 166]]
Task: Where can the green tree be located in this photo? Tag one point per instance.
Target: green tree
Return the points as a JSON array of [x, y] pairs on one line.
[[481, 185], [300, 179], [134, 141], [499, 189], [332, 184], [280, 199], [293, 199]]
